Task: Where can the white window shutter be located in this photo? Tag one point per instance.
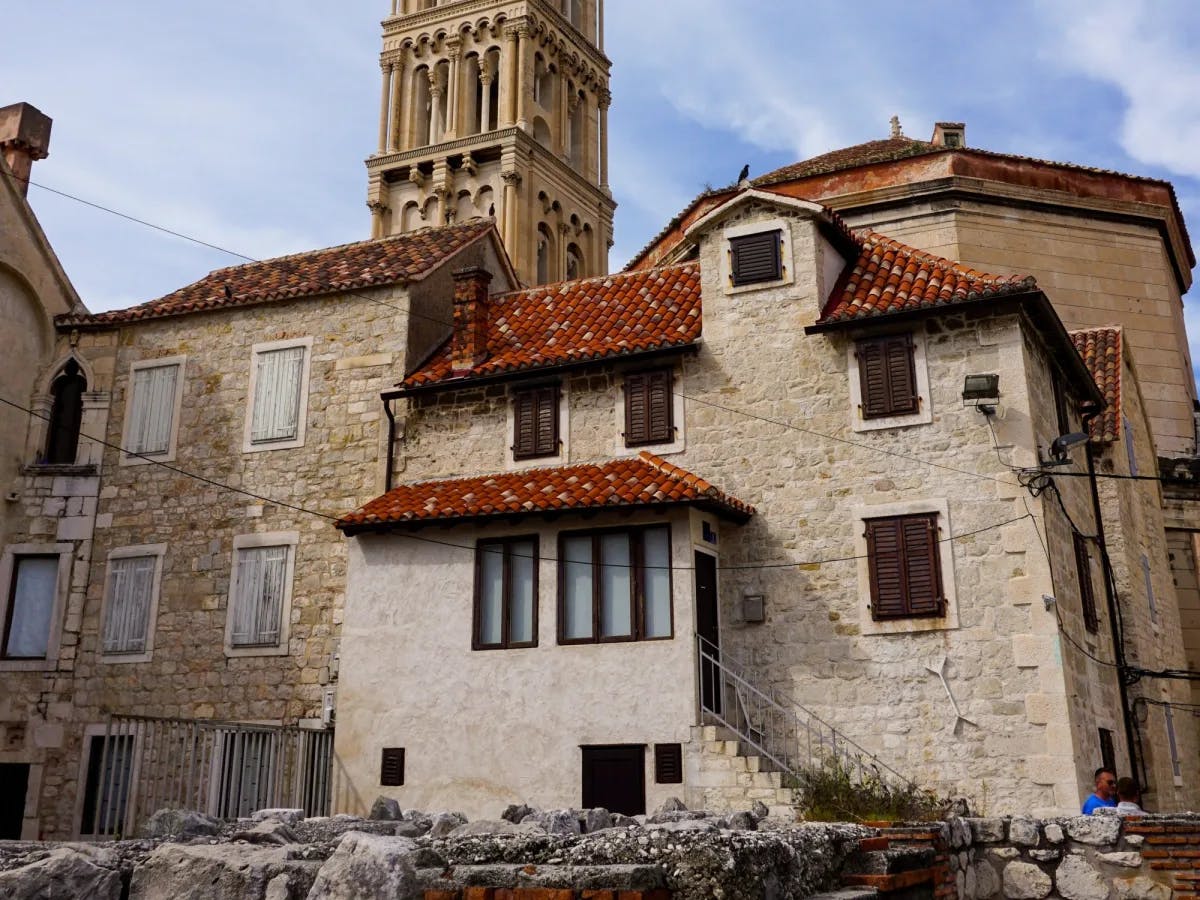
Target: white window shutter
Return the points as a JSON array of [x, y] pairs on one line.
[[277, 395], [258, 595], [130, 590], [152, 409]]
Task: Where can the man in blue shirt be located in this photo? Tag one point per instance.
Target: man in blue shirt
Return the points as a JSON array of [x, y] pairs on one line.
[[1105, 793]]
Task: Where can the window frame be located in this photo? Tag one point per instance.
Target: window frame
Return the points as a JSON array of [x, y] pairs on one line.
[[129, 457], [786, 264], [649, 439], [637, 585], [556, 405], [137, 551], [737, 241], [506, 600], [249, 445], [919, 368], [1087, 586], [8, 569], [931, 522], [289, 539]]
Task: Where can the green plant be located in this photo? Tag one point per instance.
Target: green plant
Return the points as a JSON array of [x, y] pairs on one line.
[[836, 792]]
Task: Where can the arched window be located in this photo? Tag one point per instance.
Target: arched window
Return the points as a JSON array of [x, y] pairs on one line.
[[543, 83], [574, 262], [576, 144], [545, 255], [485, 202], [410, 217], [421, 111], [473, 98], [541, 133], [66, 415]]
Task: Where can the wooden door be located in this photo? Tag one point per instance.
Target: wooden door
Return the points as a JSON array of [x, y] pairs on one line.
[[614, 777], [14, 781]]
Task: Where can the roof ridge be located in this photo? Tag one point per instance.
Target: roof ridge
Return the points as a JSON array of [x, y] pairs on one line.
[[623, 274]]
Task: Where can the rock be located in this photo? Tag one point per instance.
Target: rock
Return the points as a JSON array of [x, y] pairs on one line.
[[208, 871], [597, 820], [443, 823], [671, 804], [1045, 855], [692, 825], [278, 888], [676, 815], [620, 820], [385, 809], [65, 873], [986, 831], [410, 830], [743, 821], [1094, 830], [516, 812], [1025, 881], [987, 882], [1024, 832], [1142, 888], [970, 891], [1002, 855], [1134, 840], [269, 832], [1077, 880], [960, 833], [286, 816], [493, 826], [367, 867], [1125, 859], [1053, 832], [760, 810], [182, 823]]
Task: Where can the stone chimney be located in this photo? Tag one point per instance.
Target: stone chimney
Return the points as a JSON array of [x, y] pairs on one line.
[[468, 346], [951, 135], [24, 138]]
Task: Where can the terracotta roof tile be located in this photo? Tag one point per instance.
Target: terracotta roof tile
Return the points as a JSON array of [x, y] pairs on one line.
[[866, 154], [891, 277], [645, 480], [365, 264], [573, 321], [1101, 352]]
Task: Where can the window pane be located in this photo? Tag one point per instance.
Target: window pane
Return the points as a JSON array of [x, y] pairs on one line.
[[34, 582], [277, 394], [130, 585], [577, 587], [521, 599], [258, 598], [616, 618], [491, 593], [152, 409], [657, 579]]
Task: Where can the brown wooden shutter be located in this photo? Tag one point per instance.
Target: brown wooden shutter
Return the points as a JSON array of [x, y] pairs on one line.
[[535, 422], [905, 566], [755, 258], [887, 377], [1087, 597], [668, 763], [546, 432], [922, 565], [885, 552], [391, 769], [648, 408]]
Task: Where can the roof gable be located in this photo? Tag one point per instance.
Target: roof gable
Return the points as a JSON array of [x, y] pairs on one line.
[[576, 321], [365, 264]]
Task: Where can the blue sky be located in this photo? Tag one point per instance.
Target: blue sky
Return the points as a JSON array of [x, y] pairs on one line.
[[245, 122]]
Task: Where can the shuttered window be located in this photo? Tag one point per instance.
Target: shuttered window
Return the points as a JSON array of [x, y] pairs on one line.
[[277, 390], [258, 593], [755, 258], [535, 422], [30, 608], [506, 593], [1108, 755], [130, 592], [668, 763], [391, 767], [905, 566], [649, 415], [1087, 596], [151, 410], [887, 377], [615, 585]]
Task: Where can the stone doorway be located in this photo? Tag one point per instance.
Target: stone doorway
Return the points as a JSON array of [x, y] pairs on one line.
[[14, 782]]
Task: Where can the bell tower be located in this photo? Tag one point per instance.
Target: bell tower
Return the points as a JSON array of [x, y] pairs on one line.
[[498, 108]]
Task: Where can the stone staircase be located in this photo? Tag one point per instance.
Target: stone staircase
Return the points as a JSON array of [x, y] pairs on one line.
[[728, 776]]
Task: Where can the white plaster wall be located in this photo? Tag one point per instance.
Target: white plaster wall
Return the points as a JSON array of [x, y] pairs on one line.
[[482, 729]]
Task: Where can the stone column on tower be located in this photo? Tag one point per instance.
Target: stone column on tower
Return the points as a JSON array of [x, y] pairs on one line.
[[605, 98], [397, 105], [385, 105], [508, 79], [522, 86], [453, 88]]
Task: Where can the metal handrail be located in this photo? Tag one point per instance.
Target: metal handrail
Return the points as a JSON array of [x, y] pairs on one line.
[[782, 731]]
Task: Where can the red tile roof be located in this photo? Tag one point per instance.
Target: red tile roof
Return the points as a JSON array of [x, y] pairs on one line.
[[402, 258], [1101, 352], [581, 320], [645, 480], [890, 277], [869, 153]]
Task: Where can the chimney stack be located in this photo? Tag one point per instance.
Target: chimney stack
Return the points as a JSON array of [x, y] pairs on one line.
[[24, 138], [951, 135], [468, 346]]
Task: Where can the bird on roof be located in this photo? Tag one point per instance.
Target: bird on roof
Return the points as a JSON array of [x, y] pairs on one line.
[[228, 293], [745, 173]]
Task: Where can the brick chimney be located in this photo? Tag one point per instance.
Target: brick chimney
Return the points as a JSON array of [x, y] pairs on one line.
[[468, 346], [24, 138], [952, 135]]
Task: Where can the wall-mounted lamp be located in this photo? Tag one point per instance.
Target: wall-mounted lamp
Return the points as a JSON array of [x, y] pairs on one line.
[[1062, 445], [1048, 601], [982, 392]]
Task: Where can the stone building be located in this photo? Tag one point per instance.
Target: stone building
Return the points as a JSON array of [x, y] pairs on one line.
[[199, 642], [632, 505], [498, 109]]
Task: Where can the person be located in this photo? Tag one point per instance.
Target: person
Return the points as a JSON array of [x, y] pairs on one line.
[[1105, 793], [1127, 795]]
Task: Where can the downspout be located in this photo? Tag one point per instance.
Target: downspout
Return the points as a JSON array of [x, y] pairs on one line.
[[391, 447], [1110, 596]]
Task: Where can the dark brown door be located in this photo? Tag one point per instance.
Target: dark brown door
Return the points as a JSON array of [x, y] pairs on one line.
[[708, 628], [14, 780], [614, 777]]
